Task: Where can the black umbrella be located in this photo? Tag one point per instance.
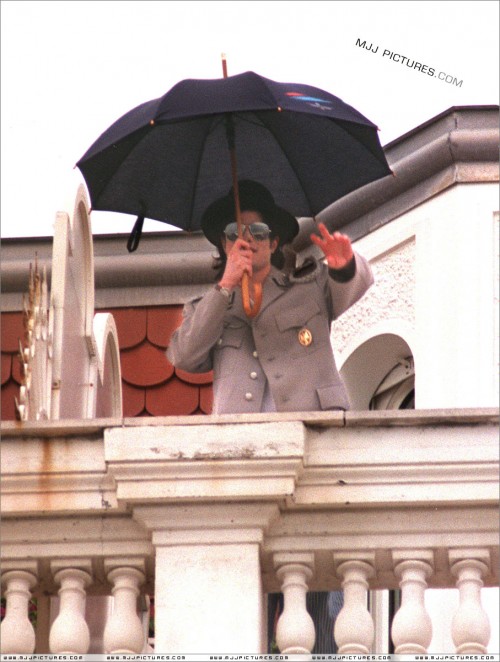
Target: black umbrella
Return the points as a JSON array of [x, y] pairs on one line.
[[167, 159]]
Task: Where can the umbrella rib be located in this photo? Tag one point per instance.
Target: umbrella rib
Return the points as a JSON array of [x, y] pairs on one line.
[[344, 127], [210, 127]]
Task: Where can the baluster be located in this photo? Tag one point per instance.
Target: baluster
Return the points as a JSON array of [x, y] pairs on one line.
[[412, 625], [470, 627], [295, 632], [69, 632], [354, 630], [17, 633], [124, 632]]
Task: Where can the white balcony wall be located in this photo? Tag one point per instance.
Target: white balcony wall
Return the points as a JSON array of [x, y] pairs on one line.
[[210, 514], [436, 290]]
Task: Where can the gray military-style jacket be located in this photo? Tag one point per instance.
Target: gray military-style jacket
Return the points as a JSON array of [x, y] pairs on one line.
[[287, 343]]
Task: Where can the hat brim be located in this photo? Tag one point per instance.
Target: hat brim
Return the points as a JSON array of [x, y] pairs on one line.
[[221, 212]]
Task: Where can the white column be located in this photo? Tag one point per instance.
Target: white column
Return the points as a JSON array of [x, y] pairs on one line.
[[208, 586], [69, 632], [124, 633], [455, 371], [295, 631], [470, 627], [354, 630], [412, 626], [17, 633]]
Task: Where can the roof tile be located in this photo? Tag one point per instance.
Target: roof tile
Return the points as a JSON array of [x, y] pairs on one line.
[[134, 400], [6, 367], [206, 399], [172, 399], [162, 322], [12, 331], [10, 391], [195, 377], [145, 365], [131, 325]]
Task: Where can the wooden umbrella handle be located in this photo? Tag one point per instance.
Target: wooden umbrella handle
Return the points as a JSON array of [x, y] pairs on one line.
[[251, 307]]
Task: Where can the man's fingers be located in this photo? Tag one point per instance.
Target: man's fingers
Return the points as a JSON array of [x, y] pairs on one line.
[[341, 237], [324, 232]]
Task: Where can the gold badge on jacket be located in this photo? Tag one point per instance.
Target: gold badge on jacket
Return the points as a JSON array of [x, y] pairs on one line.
[[305, 337]]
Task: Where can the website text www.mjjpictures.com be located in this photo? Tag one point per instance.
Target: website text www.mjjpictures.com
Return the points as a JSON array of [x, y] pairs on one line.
[[111, 657]]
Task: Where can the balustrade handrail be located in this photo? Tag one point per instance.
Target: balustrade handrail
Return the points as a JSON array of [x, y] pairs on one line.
[[357, 500]]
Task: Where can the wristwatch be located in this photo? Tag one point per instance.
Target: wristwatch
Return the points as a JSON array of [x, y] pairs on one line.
[[224, 291]]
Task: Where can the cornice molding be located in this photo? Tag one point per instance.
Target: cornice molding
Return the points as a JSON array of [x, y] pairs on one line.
[[304, 463]]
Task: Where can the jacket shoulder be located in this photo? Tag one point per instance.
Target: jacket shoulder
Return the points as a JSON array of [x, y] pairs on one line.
[[311, 269]]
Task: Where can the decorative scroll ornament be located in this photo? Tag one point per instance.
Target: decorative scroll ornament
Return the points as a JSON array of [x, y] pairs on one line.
[[35, 354]]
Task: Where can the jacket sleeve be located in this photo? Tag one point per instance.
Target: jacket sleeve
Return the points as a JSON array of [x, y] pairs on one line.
[[191, 344], [348, 286]]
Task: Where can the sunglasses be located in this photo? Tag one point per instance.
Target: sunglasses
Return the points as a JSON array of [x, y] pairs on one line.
[[259, 231]]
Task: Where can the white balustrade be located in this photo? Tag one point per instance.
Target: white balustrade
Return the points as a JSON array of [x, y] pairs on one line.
[[470, 627], [69, 632], [17, 633], [295, 632], [124, 632], [354, 631], [412, 625]]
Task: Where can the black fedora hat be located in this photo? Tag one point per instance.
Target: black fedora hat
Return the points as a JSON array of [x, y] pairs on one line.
[[253, 197]]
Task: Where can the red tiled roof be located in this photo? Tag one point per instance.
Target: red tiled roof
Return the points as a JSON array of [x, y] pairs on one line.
[[12, 332], [151, 385], [144, 364]]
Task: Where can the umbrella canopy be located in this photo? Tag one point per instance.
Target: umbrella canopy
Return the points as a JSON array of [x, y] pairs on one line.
[[168, 158]]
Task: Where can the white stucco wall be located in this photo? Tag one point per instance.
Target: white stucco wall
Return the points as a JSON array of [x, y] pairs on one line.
[[436, 271]]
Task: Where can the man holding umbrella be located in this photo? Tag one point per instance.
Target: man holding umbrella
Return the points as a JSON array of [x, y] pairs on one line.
[[163, 159], [281, 359]]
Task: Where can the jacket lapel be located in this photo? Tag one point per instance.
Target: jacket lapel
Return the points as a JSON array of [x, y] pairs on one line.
[[274, 287]]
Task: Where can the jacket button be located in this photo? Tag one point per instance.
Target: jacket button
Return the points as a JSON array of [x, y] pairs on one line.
[[253, 375], [248, 396], [254, 354], [219, 342]]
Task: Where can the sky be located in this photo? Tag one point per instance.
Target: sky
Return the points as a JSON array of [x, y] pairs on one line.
[[70, 69]]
